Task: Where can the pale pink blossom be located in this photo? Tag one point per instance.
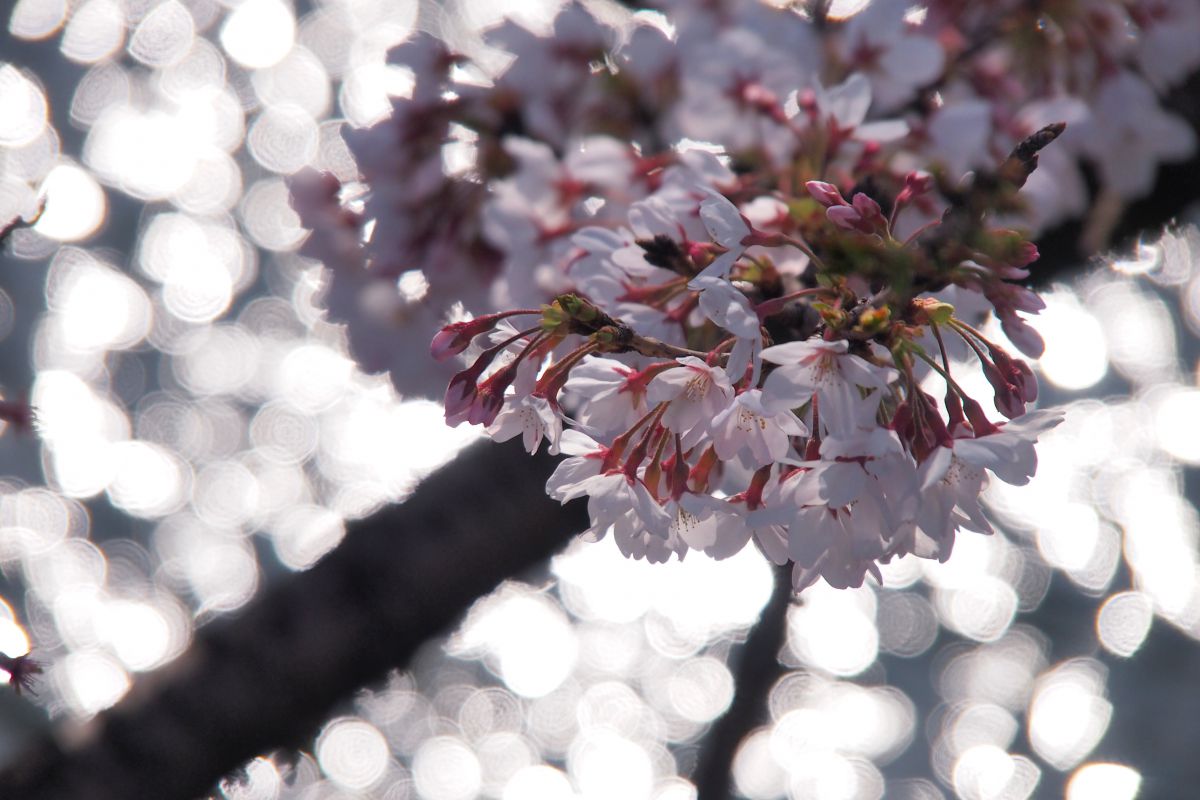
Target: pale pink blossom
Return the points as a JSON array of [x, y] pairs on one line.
[[721, 302], [746, 425], [611, 396], [728, 228], [694, 391], [828, 371], [533, 419], [1009, 451]]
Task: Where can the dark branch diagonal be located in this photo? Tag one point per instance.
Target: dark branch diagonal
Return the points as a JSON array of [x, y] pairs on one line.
[[268, 677]]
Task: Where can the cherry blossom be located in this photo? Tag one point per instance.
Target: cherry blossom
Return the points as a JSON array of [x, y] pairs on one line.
[[826, 370], [694, 393], [747, 425], [712, 255]]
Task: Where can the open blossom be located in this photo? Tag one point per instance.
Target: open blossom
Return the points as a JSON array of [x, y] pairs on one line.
[[615, 393], [747, 425], [851, 463], [722, 303], [694, 393], [1008, 452], [616, 497], [826, 370], [533, 419], [950, 489], [729, 229]]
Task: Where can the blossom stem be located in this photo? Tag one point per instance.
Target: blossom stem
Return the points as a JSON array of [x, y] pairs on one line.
[[703, 469], [643, 445], [618, 446], [912, 237], [962, 328], [654, 348], [937, 334], [944, 373], [519, 335], [654, 469], [776, 304], [803, 247], [552, 381]]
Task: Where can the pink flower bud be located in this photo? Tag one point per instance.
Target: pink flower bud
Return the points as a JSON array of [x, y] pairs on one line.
[[954, 410], [868, 209], [456, 337], [1008, 399], [460, 394], [486, 408], [915, 185], [1016, 373], [979, 421], [919, 182], [846, 218], [764, 100], [450, 340], [1020, 333], [825, 193], [1027, 254], [489, 398]]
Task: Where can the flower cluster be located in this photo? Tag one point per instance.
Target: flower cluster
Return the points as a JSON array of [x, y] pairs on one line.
[[720, 242], [728, 373], [472, 190]]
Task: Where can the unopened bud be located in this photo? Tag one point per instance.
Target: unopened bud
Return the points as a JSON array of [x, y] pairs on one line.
[[874, 320], [929, 310], [826, 194]]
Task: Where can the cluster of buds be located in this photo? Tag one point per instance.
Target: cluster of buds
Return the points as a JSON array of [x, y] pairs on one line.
[[734, 366]]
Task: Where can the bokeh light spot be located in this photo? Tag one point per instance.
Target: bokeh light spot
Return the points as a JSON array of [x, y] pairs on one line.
[[444, 768], [96, 31], [302, 535], [92, 682], [37, 19], [75, 204], [259, 33], [1123, 622], [1076, 356], [1101, 781], [164, 36], [1176, 410], [538, 782], [148, 481], [353, 753], [1069, 715], [22, 108], [606, 765]]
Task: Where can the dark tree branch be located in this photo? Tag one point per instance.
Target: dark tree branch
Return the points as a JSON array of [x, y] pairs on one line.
[[758, 668], [268, 677]]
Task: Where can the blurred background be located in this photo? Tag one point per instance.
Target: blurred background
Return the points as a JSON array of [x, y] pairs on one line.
[[202, 432]]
